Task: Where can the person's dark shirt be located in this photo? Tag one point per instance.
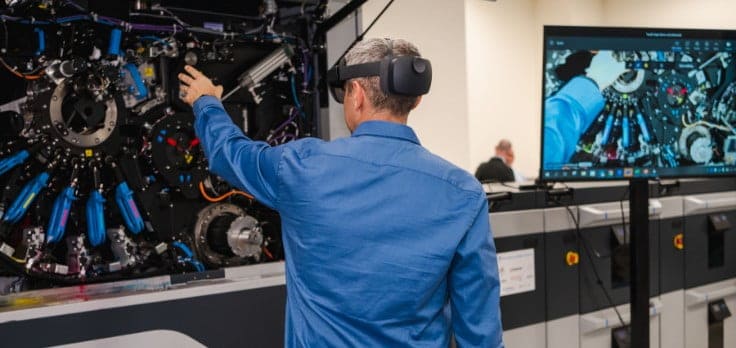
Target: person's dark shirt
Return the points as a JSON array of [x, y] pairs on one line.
[[494, 170]]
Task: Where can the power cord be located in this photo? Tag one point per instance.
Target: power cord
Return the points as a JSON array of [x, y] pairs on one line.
[[588, 253]]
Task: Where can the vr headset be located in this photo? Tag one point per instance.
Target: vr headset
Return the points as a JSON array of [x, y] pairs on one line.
[[404, 75]]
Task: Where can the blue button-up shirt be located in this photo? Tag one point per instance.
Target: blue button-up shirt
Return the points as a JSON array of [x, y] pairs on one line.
[[386, 244]]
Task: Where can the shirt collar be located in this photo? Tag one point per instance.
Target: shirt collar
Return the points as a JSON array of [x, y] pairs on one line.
[[387, 130]]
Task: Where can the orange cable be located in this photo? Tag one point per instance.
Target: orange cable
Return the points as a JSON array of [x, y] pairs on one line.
[[268, 253], [223, 197], [21, 75]]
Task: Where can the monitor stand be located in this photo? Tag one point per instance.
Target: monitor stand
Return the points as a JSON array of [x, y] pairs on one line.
[[639, 289]]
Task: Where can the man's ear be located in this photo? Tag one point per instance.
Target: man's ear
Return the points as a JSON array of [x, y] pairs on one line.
[[358, 95]]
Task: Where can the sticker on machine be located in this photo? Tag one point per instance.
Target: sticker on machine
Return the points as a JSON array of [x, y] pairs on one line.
[[516, 271]]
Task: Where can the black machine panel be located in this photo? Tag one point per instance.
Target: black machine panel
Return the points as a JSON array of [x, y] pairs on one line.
[[102, 174], [671, 255], [610, 253], [562, 268], [710, 248], [251, 318]]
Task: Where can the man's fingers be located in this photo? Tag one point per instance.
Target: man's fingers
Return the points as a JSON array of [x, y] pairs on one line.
[[185, 79], [192, 71]]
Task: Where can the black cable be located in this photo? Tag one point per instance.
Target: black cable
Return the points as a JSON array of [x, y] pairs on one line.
[[623, 217], [211, 13], [360, 37], [5, 27], [590, 260]]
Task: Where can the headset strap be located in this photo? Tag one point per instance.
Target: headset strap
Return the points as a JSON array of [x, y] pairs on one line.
[[340, 74]]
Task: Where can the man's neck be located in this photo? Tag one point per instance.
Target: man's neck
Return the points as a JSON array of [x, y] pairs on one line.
[[383, 116]]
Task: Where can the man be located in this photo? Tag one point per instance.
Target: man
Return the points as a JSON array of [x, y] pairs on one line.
[[386, 244], [498, 168]]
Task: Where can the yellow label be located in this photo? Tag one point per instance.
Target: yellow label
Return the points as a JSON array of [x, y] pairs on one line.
[[148, 71], [26, 301], [29, 200], [188, 158], [89, 153]]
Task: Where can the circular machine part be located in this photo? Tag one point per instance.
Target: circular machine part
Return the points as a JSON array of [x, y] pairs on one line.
[[176, 153], [191, 58], [673, 92], [629, 82], [245, 237], [79, 120], [695, 144], [223, 232]]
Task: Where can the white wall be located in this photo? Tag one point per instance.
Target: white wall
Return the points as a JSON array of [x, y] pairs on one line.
[[437, 27], [704, 14]]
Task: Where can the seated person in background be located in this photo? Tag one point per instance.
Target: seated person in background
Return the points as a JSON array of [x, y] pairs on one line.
[[498, 168]]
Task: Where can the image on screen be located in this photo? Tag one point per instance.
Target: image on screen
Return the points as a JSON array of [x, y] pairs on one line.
[[622, 103]]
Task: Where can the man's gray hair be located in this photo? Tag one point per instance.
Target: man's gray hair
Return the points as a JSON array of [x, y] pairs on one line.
[[373, 50], [503, 145]]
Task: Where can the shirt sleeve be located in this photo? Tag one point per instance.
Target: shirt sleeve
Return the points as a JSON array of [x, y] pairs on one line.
[[246, 164], [567, 115], [474, 286]]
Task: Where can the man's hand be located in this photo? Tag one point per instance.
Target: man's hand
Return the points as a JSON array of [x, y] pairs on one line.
[[194, 85]]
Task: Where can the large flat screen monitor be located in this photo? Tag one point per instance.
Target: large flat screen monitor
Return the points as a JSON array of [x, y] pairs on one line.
[[624, 103]]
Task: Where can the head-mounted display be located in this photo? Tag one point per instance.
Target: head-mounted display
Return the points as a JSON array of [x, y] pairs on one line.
[[405, 75]]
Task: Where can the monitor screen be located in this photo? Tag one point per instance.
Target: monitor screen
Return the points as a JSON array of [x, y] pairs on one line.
[[624, 103]]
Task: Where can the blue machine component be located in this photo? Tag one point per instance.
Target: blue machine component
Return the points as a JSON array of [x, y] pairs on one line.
[[626, 137], [189, 256], [669, 156], [113, 48], [95, 218], [140, 86], [20, 205], [129, 211], [41, 41], [9, 163], [60, 215], [607, 129], [643, 127]]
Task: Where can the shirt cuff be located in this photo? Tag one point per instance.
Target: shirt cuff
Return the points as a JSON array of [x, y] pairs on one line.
[[202, 103], [585, 91]]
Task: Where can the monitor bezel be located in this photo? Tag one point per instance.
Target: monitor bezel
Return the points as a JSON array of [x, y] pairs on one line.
[[633, 32]]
